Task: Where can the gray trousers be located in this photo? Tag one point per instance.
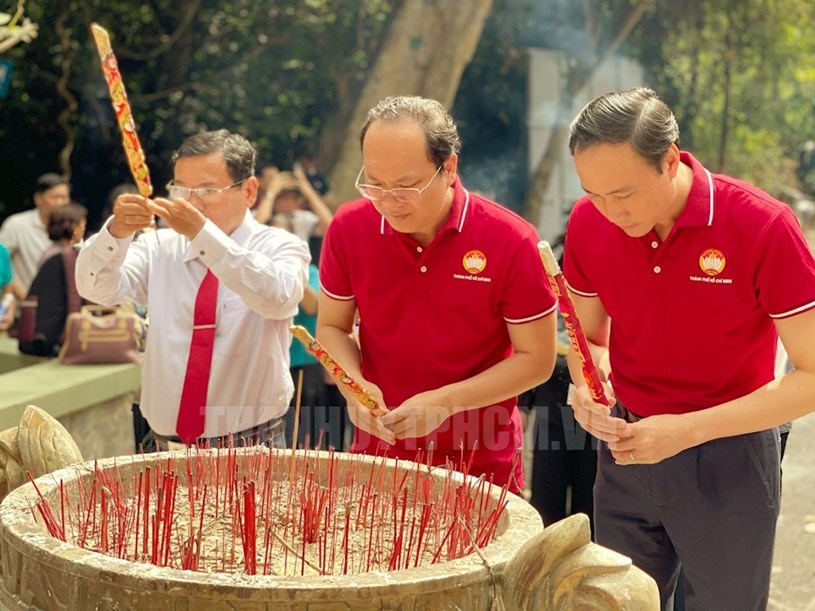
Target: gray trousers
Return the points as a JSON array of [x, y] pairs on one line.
[[712, 508]]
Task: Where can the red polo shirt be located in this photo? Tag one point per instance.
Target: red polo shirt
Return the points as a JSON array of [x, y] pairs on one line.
[[437, 315], [692, 316]]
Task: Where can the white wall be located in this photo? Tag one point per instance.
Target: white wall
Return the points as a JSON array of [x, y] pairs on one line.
[[546, 70]]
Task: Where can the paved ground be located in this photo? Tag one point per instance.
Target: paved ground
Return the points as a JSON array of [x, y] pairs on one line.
[[793, 583]]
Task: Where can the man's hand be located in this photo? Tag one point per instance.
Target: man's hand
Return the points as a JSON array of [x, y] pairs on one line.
[[652, 440], [179, 214], [595, 417], [131, 213], [418, 416], [363, 419]]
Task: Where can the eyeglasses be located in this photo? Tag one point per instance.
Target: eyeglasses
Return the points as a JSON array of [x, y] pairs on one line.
[[406, 195], [202, 193]]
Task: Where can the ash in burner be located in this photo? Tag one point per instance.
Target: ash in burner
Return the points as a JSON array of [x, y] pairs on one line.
[[256, 511]]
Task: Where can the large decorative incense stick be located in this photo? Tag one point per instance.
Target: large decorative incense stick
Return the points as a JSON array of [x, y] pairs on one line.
[[337, 372], [124, 117], [567, 310]]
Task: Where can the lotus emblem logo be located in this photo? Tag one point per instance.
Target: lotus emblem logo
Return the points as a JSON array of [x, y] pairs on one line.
[[712, 262], [474, 261]]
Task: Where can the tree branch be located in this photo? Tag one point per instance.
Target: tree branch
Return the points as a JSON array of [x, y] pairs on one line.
[[169, 41], [64, 117]]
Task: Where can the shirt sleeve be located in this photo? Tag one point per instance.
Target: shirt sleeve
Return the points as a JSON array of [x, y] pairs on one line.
[[111, 270], [269, 274], [8, 237], [5, 267], [785, 269], [527, 295], [574, 268], [335, 280]]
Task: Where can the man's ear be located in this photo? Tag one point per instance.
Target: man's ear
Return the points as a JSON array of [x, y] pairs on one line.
[[250, 190], [672, 160], [451, 169]]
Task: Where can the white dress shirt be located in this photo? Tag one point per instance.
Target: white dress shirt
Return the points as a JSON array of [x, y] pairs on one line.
[[261, 272]]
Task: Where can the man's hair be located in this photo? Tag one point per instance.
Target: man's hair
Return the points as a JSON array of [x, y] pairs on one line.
[[440, 131], [238, 153], [49, 181], [62, 220], [635, 116]]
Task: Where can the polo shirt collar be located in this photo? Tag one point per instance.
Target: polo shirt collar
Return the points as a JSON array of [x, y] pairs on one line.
[[701, 206], [455, 220]]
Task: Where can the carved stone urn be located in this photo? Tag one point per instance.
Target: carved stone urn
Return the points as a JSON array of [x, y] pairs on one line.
[[524, 567]]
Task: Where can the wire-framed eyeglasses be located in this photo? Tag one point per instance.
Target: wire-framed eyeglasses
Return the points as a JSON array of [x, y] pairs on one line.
[[202, 193], [406, 195]]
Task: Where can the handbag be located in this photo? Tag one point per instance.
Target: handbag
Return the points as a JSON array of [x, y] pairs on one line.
[[100, 334]]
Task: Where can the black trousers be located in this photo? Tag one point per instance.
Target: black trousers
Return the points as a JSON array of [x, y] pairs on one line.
[[564, 455], [712, 508]]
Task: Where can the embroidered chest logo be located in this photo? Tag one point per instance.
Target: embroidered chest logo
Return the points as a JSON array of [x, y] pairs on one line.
[[712, 261], [474, 261]]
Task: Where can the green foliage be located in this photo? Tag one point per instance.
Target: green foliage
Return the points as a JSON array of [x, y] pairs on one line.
[[272, 70], [739, 76]]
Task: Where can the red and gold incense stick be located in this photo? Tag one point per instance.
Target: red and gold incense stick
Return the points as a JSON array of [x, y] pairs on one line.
[[337, 372], [567, 310], [124, 117]]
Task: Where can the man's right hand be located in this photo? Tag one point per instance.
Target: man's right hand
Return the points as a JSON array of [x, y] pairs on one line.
[[363, 419], [130, 214], [595, 417]]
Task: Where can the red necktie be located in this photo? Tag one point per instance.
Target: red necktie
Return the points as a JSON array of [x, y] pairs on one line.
[[193, 405]]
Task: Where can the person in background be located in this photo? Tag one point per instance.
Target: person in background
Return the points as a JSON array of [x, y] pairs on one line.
[[456, 314], [25, 235], [221, 291], [290, 202], [322, 419], [53, 289], [7, 300], [683, 281], [66, 229]]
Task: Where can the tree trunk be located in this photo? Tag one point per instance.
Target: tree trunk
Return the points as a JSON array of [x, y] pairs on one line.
[[426, 50]]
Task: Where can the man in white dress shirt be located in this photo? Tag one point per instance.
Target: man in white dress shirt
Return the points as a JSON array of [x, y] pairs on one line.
[[261, 273]]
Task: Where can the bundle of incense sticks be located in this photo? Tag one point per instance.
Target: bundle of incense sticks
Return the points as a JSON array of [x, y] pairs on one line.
[[567, 310], [337, 372], [124, 116]]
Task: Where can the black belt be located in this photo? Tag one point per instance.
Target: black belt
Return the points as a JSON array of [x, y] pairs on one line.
[[626, 414], [248, 437]]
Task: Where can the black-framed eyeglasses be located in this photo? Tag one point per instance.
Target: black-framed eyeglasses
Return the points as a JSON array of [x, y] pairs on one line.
[[406, 195], [202, 193]]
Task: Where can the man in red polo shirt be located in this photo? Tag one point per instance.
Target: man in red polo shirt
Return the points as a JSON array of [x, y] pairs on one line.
[[683, 280], [455, 310]]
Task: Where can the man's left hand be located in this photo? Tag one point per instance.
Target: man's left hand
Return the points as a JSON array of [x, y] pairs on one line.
[[418, 416], [651, 440], [179, 214]]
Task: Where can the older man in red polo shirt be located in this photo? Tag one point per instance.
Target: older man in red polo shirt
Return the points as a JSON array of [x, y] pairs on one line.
[[456, 313], [683, 280]]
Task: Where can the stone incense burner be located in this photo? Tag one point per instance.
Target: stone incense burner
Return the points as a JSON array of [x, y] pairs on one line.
[[523, 567]]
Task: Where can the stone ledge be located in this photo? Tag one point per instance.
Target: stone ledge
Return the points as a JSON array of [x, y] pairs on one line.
[[60, 389]]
